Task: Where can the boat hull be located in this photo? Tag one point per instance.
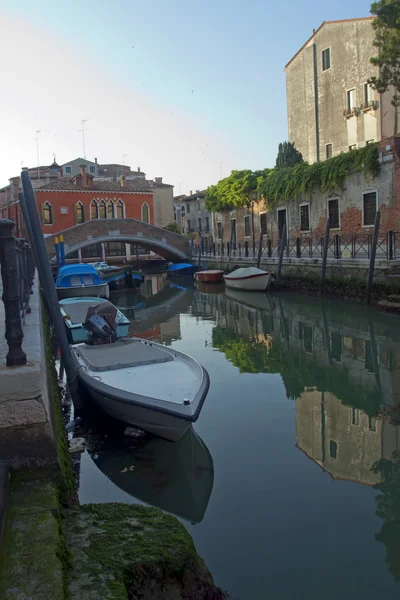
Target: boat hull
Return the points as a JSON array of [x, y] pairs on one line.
[[99, 290], [165, 426], [209, 276], [253, 283], [186, 272]]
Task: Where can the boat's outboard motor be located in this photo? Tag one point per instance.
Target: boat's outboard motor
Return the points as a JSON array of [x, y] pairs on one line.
[[101, 324]]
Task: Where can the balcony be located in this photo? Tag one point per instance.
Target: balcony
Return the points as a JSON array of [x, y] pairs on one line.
[[371, 105], [350, 112]]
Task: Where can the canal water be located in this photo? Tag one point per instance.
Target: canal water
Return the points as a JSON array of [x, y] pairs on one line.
[[289, 482]]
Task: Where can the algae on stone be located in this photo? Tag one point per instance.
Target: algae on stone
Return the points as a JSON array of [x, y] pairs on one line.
[[127, 552]]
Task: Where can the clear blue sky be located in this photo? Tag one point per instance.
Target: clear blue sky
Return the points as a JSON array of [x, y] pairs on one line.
[[231, 53]]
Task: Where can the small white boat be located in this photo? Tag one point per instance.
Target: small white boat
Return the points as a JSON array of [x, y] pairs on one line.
[[248, 278], [74, 312], [144, 384]]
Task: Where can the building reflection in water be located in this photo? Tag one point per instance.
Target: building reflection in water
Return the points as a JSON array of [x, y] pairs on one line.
[[341, 365]]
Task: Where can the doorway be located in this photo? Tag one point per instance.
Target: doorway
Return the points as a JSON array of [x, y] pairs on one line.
[[282, 221]]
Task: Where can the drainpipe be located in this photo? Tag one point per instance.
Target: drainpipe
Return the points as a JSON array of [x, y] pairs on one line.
[[316, 108]]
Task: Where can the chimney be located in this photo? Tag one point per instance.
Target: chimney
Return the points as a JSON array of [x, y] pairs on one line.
[[24, 168], [158, 180], [95, 160], [138, 169], [122, 181], [83, 175], [190, 194]]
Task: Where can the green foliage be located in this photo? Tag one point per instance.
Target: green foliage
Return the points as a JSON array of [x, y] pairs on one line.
[[242, 188], [237, 190], [288, 156], [174, 227], [387, 38], [284, 184], [388, 509]]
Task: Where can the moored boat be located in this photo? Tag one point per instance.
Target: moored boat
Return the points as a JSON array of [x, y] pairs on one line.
[[182, 270], [80, 280], [209, 276], [248, 278], [75, 310], [144, 384]]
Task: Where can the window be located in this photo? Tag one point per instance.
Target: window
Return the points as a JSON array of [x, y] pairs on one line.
[[198, 206], [353, 147], [92, 169], [263, 223], [351, 99], [372, 423], [328, 151], [120, 209], [102, 210], [219, 230], [116, 249], [304, 217], [333, 213], [94, 210], [47, 214], [326, 59], [189, 226], [336, 346], [199, 220], [368, 93], [145, 213], [207, 225], [68, 170], [233, 232], [188, 208], [370, 201], [355, 416], [79, 213], [247, 229], [93, 251], [110, 210], [333, 449]]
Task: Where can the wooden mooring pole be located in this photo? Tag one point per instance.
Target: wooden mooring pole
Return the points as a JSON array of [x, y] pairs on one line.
[[325, 255], [281, 249], [373, 255]]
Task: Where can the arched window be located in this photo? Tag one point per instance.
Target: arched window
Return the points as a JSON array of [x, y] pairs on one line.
[[47, 214], [94, 210], [145, 213], [102, 210], [110, 210], [79, 213], [120, 209]]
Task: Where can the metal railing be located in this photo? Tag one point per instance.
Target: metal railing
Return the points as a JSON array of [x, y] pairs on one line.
[[17, 274], [340, 247]]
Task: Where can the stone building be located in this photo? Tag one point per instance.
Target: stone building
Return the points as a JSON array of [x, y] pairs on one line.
[[190, 211], [331, 108], [163, 200], [351, 207]]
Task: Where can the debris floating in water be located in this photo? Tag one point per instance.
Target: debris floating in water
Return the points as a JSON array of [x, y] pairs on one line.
[[76, 445], [134, 432]]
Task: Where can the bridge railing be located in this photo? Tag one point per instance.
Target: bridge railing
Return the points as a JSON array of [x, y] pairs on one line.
[[17, 274], [341, 247]]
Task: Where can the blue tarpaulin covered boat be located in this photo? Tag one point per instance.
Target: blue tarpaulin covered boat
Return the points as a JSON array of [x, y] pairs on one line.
[[182, 270], [80, 280]]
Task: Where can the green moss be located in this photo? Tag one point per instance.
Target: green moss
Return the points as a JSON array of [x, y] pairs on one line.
[[67, 481], [115, 545]]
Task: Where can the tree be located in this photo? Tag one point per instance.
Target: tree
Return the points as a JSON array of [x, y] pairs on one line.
[[287, 156], [387, 38], [174, 227]]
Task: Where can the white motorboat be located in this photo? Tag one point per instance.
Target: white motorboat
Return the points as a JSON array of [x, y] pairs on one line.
[[248, 278], [144, 384]]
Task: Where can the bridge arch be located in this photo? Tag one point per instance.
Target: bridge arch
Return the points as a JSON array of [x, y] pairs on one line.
[[168, 245]]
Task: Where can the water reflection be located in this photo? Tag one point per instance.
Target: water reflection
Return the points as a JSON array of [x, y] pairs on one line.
[[176, 477]]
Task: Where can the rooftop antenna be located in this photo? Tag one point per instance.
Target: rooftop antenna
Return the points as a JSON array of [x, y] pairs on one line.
[[123, 158], [83, 136], [37, 138]]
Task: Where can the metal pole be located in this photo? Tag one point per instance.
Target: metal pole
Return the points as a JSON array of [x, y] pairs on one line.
[[62, 253], [31, 216], [230, 248], [57, 249], [281, 249], [11, 294], [200, 249], [372, 259], [260, 250], [325, 255]]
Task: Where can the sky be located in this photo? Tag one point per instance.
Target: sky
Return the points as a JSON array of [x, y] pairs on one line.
[[187, 90]]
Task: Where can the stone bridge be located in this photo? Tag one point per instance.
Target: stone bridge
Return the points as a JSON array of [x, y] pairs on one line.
[[171, 246]]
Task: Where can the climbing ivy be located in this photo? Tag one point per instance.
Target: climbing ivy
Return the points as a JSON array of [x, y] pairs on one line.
[[284, 184], [274, 185]]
